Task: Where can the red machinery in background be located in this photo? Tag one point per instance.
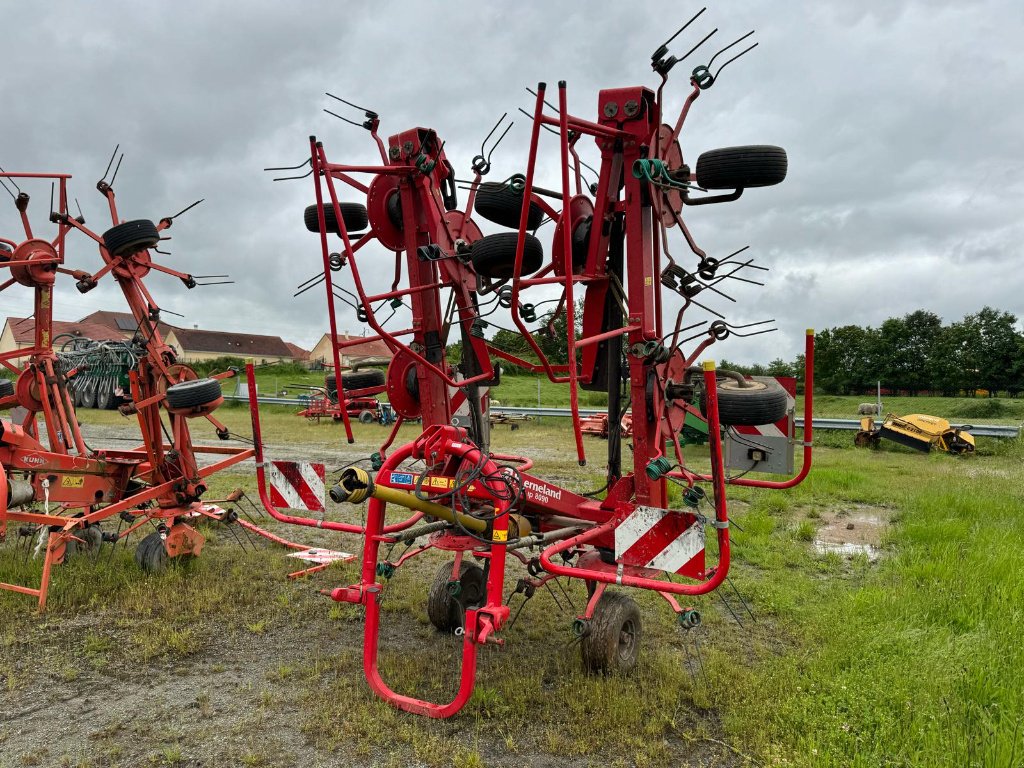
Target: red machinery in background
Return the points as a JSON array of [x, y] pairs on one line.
[[610, 243], [160, 481], [358, 398]]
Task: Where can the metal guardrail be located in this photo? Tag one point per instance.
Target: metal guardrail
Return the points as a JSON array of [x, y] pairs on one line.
[[978, 430]]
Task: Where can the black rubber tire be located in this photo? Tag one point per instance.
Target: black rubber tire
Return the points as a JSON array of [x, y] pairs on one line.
[[89, 394], [356, 380], [758, 165], [495, 255], [190, 394], [6, 387], [79, 391], [445, 611], [104, 395], [367, 417], [496, 202], [91, 537], [151, 554], [394, 209], [354, 215], [764, 403], [581, 242], [130, 237], [611, 641]]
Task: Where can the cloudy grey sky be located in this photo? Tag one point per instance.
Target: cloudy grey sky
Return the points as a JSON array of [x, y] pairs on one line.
[[902, 120]]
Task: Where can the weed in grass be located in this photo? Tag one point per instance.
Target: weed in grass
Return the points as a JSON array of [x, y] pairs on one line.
[[257, 627], [806, 530], [172, 755]]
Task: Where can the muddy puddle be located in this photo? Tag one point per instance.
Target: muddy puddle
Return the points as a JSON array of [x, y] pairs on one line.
[[855, 530]]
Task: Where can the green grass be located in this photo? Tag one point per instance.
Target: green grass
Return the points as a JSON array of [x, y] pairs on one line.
[[913, 660]]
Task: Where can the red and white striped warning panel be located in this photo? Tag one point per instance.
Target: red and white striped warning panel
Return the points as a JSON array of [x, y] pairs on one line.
[[322, 556], [780, 428], [661, 539], [297, 484]]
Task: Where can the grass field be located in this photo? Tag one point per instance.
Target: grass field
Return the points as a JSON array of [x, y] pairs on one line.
[[910, 658]]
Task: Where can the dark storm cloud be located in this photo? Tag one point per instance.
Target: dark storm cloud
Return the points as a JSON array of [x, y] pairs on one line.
[[901, 121]]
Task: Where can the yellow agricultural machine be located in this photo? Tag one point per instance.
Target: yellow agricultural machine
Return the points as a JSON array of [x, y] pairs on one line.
[[915, 431]]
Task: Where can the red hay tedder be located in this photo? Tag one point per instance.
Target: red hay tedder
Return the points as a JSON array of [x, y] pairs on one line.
[[610, 246], [159, 482]]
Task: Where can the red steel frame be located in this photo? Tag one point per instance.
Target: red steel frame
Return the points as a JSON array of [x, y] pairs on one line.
[[156, 481], [567, 523]]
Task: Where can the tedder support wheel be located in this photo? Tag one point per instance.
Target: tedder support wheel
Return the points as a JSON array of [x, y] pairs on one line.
[[190, 394], [130, 237], [764, 401], [356, 380], [91, 538], [495, 255], [497, 202], [741, 167], [611, 641], [151, 554], [6, 387], [367, 417], [354, 215], [447, 600]]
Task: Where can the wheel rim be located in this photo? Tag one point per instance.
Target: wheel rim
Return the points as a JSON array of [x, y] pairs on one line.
[[627, 641]]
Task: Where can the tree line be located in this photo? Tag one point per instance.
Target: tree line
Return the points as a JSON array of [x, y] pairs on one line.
[[913, 354], [917, 354]]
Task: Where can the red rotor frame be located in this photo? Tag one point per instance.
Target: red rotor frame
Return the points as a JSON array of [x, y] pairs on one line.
[[622, 279]]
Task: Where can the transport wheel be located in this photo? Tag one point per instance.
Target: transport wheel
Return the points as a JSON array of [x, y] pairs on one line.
[[355, 380], [497, 202], [495, 255], [6, 387], [91, 538], [190, 394], [367, 417], [104, 395], [447, 610], [353, 214], [764, 402], [151, 554], [611, 642], [581, 242], [89, 394], [758, 165], [131, 237]]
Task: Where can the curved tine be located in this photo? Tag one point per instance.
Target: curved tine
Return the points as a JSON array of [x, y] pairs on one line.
[[733, 326], [304, 163], [350, 122], [484, 142], [730, 45], [755, 333], [496, 143], [730, 61], [682, 28], [12, 182], [698, 45], [186, 209], [112, 156], [118, 167], [354, 106], [288, 178]]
